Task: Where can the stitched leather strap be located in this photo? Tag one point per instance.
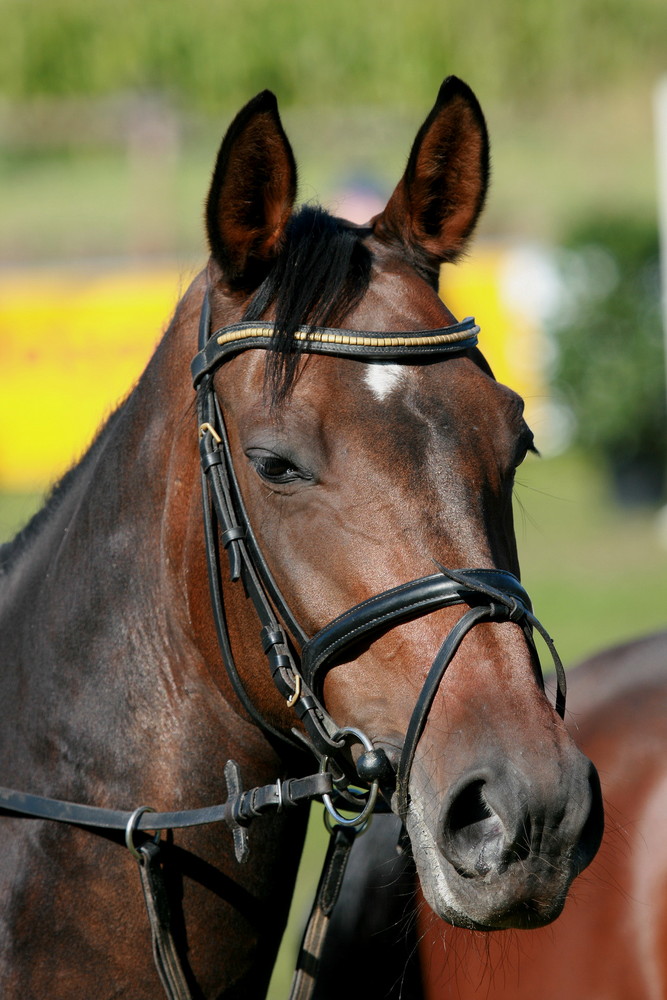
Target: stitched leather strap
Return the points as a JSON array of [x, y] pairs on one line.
[[165, 954], [409, 600], [371, 345]]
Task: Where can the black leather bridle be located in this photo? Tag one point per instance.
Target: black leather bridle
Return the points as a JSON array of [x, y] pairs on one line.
[[298, 663], [490, 594]]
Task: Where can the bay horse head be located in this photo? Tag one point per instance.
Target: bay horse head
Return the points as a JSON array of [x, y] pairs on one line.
[[373, 454]]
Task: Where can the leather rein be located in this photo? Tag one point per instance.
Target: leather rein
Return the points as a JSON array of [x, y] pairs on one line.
[[298, 664]]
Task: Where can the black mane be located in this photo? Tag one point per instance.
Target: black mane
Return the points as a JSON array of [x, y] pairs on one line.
[[322, 272]]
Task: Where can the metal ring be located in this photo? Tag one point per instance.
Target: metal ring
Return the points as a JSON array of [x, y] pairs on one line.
[[356, 733], [361, 819], [329, 825], [279, 792], [131, 828]]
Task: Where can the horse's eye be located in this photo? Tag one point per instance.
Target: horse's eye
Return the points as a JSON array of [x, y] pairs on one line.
[[275, 469]]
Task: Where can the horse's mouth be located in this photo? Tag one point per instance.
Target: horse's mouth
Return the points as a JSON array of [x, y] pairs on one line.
[[495, 908], [527, 915], [527, 894]]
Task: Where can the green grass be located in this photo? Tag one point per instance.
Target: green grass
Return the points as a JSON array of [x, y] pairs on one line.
[[104, 202], [314, 53], [15, 509], [596, 574]]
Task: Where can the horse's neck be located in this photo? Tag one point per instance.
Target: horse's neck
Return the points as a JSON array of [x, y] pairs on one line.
[[104, 550], [105, 656]]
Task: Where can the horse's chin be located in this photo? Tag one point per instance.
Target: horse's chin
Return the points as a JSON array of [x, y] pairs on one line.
[[527, 895]]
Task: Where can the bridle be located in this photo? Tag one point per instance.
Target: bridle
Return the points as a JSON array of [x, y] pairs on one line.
[[299, 663], [491, 594]]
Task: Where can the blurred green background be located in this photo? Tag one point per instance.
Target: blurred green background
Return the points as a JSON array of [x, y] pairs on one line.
[[111, 115]]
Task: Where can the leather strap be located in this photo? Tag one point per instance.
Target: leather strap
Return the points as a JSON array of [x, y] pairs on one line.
[[247, 563], [425, 701], [314, 937], [497, 605], [239, 809], [165, 954], [409, 600], [370, 345]]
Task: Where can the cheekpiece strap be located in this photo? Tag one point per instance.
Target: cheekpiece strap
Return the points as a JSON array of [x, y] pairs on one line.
[[328, 340]]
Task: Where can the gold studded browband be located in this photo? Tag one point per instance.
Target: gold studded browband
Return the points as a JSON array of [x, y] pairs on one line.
[[327, 340]]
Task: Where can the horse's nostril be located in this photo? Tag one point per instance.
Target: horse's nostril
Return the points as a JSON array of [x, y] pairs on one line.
[[472, 833], [468, 808]]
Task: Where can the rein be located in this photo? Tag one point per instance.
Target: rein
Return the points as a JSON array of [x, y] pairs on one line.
[[298, 663]]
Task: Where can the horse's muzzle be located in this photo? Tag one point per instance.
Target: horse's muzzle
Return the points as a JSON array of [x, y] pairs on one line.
[[510, 846]]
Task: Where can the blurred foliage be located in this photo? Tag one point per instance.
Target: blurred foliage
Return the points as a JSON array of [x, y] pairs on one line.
[[351, 51], [111, 114], [610, 364]]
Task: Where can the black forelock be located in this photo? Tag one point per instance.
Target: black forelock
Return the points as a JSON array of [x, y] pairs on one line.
[[321, 273]]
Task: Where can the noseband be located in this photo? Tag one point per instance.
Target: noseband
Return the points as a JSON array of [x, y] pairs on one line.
[[490, 595]]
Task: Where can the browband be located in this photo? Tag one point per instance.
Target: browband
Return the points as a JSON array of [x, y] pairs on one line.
[[328, 340]]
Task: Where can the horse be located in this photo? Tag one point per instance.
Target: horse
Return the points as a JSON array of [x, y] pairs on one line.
[[241, 584], [611, 940]]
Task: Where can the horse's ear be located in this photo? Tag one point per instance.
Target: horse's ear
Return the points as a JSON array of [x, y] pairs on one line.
[[436, 204], [252, 192]]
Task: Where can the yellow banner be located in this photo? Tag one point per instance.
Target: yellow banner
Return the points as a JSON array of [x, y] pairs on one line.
[[72, 345], [491, 284], [73, 342]]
